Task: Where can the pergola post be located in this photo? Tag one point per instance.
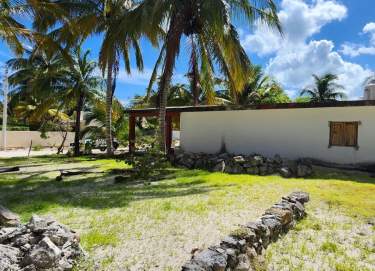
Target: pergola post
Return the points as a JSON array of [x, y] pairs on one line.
[[132, 133], [169, 132]]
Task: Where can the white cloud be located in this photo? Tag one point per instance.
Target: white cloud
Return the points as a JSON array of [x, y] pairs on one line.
[[295, 57], [136, 77], [370, 29], [353, 49], [299, 21], [294, 69]]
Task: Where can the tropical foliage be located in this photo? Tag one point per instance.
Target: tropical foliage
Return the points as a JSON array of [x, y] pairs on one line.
[[259, 89], [11, 31], [83, 87], [214, 39], [47, 89], [59, 26], [37, 86], [325, 89], [95, 119]]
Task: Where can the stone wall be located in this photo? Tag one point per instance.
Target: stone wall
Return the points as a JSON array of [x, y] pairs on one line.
[[242, 250], [243, 164]]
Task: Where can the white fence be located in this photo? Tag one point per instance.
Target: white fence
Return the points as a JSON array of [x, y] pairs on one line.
[[22, 139]]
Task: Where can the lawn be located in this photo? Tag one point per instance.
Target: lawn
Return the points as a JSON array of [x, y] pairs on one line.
[[154, 226]]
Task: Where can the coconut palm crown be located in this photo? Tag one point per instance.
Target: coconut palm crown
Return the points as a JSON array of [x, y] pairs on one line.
[[325, 89], [215, 38]]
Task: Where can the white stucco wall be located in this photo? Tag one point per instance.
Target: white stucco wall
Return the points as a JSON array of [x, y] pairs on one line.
[[292, 133], [22, 139]]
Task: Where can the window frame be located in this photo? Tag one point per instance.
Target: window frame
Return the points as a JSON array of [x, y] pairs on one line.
[[356, 124]]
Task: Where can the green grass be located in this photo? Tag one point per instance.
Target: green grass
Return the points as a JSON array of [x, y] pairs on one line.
[[329, 247], [110, 215]]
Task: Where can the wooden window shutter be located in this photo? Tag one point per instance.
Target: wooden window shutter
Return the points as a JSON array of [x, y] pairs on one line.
[[344, 134], [351, 133]]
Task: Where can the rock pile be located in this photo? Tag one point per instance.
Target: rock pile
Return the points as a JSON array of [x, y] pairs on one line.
[[41, 244], [243, 249], [243, 164]]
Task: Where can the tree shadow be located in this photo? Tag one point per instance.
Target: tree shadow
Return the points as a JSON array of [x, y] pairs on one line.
[[325, 173], [39, 193]]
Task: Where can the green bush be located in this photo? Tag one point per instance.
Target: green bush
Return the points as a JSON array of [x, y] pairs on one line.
[[148, 165]]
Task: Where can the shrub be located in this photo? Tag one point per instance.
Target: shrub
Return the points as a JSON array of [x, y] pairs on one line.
[[148, 165]]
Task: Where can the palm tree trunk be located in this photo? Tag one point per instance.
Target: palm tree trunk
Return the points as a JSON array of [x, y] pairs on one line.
[[77, 130], [108, 109], [61, 147], [173, 44], [195, 86]]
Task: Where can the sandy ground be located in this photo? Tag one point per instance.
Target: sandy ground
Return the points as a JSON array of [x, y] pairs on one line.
[[47, 151], [24, 152]]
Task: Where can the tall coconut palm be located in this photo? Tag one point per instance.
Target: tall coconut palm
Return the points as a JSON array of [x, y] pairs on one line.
[[83, 85], [217, 39], [74, 20], [325, 89], [110, 19]]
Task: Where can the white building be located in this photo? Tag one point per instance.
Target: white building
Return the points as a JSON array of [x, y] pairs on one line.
[[336, 132], [370, 90], [342, 132]]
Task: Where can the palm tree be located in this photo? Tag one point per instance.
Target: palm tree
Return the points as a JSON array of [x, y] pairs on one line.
[[11, 31], [38, 83], [325, 89], [259, 89], [209, 22], [178, 95], [109, 18], [84, 85], [95, 119], [74, 20]]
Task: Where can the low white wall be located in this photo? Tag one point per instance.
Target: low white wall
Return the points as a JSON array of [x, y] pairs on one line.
[[292, 133], [22, 139]]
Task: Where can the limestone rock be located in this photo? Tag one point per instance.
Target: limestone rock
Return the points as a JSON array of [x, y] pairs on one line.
[[303, 170], [37, 224], [243, 164], [239, 159], [244, 263], [9, 258], [8, 218], [284, 215], [41, 244], [220, 167], [212, 258], [285, 172], [45, 255], [244, 248]]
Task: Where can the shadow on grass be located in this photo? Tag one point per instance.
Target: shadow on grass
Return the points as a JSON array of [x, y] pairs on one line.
[[324, 173], [43, 160], [40, 193]]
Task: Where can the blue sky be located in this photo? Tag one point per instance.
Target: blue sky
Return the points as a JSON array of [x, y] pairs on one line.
[[319, 36]]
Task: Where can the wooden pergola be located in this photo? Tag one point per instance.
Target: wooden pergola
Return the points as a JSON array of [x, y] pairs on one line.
[[172, 112]]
